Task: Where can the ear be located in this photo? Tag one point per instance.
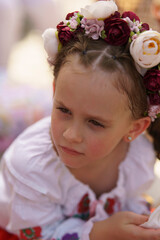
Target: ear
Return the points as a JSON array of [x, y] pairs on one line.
[[137, 127]]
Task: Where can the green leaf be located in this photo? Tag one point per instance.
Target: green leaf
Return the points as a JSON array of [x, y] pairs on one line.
[[158, 115], [131, 34], [145, 114], [103, 34]]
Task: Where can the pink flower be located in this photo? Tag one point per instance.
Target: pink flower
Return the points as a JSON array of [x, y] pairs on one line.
[[93, 27], [73, 22], [134, 37], [134, 26], [153, 112]]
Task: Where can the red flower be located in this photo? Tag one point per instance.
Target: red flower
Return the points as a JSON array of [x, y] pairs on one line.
[[109, 206], [60, 26], [83, 205], [117, 31], [154, 98], [152, 80], [70, 15], [115, 15], [65, 35], [30, 233], [131, 15], [145, 27]]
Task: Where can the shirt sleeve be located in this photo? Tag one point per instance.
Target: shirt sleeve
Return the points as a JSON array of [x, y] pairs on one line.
[[31, 215], [33, 190]]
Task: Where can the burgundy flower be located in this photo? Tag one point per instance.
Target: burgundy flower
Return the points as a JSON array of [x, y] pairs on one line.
[[68, 236], [60, 26], [64, 33], [117, 31], [70, 15], [152, 80], [145, 27], [131, 15], [109, 206], [83, 205], [154, 98], [115, 15]]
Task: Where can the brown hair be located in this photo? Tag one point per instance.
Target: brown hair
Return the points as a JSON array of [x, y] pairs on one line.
[[115, 59]]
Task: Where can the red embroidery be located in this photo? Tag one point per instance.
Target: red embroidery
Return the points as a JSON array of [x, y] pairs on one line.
[[83, 205], [30, 233], [109, 205], [4, 235]]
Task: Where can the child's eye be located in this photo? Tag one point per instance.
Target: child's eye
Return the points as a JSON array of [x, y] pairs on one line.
[[95, 123], [64, 110]]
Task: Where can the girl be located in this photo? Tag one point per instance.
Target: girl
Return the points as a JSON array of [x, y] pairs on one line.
[[82, 173]]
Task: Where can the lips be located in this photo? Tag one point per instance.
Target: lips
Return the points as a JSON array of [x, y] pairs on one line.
[[70, 151]]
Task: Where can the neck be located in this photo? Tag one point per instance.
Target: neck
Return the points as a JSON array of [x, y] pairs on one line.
[[107, 171]]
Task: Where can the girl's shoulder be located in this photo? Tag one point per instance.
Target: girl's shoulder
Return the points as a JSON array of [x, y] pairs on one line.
[[31, 159], [138, 167], [33, 143], [32, 165], [142, 150]]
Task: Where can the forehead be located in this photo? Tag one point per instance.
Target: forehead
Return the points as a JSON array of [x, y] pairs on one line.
[[89, 88]]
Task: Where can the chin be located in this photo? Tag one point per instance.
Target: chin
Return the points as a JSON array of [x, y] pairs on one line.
[[71, 163]]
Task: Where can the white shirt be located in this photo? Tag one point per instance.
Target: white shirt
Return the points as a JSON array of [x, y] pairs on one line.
[[37, 190]]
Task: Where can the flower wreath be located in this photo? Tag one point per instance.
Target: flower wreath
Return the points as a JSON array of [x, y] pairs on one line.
[[102, 20]]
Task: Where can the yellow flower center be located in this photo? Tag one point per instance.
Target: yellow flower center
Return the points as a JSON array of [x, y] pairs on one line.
[[153, 44]]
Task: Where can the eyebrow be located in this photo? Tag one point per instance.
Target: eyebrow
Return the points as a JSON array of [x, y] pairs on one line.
[[100, 119]]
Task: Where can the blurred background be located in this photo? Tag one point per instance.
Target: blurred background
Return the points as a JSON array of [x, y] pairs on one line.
[[25, 77]]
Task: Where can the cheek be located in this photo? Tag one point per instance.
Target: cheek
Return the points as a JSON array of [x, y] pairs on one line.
[[55, 129], [97, 147]]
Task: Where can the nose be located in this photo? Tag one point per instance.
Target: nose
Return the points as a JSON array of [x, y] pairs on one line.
[[72, 134]]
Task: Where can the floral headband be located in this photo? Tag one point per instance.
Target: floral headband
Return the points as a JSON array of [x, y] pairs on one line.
[[102, 20]]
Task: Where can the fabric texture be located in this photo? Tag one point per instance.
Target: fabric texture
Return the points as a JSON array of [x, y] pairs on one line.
[[40, 198]]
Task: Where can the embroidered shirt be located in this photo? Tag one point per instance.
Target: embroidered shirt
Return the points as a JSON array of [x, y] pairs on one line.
[[41, 199]]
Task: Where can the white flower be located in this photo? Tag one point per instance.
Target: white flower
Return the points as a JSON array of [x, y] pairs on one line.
[[145, 49], [51, 42], [99, 10], [134, 26]]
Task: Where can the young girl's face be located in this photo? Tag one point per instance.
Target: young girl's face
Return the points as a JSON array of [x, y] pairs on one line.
[[90, 116]]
